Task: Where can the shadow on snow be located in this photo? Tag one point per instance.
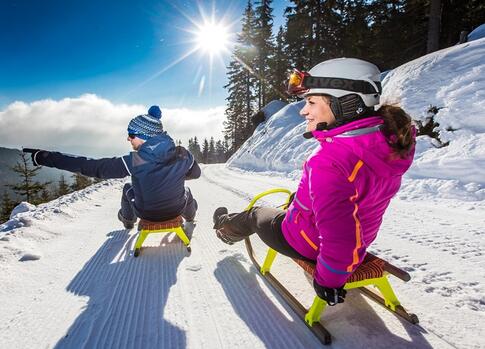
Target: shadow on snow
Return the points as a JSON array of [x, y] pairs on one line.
[[354, 324], [127, 296]]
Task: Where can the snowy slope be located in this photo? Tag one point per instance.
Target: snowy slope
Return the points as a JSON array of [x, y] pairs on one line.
[[79, 287]]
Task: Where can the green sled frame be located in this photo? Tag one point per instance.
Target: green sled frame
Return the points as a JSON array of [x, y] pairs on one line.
[[146, 228]]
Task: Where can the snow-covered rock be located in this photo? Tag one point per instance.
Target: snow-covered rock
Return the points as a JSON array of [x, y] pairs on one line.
[[24, 206]]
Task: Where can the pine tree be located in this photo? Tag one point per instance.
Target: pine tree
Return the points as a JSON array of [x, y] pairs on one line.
[[27, 187], [398, 32], [45, 196], [211, 157], [235, 124], [205, 152], [194, 148], [6, 207], [279, 67], [299, 33], [433, 42], [352, 30], [80, 182], [62, 187], [263, 40], [227, 150], [220, 152], [241, 83]]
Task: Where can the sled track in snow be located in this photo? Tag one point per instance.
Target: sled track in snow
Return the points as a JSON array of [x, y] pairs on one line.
[[239, 193], [244, 292], [220, 177]]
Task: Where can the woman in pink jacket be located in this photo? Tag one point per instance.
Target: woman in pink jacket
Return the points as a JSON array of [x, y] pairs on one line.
[[347, 182]]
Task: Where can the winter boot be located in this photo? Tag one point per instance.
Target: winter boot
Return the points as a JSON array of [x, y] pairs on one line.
[[224, 233], [128, 224], [217, 213]]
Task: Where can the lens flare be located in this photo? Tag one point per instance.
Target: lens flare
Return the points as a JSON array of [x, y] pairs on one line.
[[212, 38]]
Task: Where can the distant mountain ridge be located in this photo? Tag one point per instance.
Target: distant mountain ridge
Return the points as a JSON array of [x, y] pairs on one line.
[[8, 159]]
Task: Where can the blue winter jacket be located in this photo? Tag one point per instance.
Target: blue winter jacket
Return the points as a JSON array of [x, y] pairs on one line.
[[158, 171]]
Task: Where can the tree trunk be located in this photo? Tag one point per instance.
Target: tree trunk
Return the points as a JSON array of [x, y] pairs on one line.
[[434, 26]]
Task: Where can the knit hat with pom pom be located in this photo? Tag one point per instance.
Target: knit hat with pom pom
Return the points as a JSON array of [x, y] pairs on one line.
[[147, 125]]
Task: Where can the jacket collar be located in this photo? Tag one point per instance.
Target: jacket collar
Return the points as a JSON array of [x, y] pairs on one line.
[[351, 129]]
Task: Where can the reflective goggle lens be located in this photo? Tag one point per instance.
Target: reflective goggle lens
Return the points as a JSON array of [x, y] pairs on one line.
[[295, 82], [296, 78]]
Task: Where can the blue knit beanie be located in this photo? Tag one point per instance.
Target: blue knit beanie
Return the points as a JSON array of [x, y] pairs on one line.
[[148, 125]]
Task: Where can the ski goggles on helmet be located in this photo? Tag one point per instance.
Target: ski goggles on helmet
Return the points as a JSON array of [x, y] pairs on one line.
[[302, 82], [295, 83]]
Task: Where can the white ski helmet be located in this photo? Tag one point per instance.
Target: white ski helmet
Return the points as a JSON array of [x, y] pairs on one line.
[[342, 76]]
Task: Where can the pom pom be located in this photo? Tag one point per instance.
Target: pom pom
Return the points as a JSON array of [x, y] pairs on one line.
[[155, 111]]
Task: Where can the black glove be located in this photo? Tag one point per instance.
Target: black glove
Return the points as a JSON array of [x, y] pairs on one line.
[[181, 152], [332, 296], [33, 154]]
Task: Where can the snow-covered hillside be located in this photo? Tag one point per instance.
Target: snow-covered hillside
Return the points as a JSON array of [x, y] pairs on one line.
[[451, 79], [69, 279]]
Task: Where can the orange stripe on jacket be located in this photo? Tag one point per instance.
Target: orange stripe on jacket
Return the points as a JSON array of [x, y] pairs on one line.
[[307, 239], [358, 241], [357, 167]]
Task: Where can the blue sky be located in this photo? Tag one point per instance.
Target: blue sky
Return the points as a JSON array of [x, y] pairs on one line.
[[54, 49]]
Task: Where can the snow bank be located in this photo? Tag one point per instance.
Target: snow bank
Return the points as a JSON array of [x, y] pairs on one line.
[[24, 213], [272, 107], [477, 33], [451, 79]]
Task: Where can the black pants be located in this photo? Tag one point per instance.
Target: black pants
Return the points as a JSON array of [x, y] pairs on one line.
[[128, 210], [264, 221]]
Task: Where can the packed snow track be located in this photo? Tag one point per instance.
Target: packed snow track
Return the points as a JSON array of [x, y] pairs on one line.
[[69, 279]]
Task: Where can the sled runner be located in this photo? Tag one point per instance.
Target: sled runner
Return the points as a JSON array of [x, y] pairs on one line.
[[373, 271], [147, 227]]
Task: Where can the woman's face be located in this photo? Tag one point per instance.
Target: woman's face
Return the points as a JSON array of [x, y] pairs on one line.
[[317, 110]]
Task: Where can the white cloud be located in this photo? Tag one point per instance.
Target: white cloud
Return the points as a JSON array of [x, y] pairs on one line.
[[93, 126]]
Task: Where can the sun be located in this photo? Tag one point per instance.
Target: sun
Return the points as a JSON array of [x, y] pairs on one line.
[[212, 38], [208, 36]]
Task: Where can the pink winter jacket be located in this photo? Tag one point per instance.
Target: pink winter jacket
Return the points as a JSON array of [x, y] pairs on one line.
[[346, 186]]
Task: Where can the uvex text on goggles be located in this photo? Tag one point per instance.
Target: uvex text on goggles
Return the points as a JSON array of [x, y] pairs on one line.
[[300, 82]]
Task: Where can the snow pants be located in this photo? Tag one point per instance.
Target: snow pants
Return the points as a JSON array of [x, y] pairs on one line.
[[129, 212], [266, 223]]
